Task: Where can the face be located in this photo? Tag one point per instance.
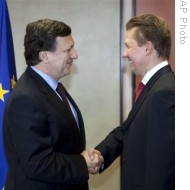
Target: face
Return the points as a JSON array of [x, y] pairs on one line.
[[60, 61], [134, 53]]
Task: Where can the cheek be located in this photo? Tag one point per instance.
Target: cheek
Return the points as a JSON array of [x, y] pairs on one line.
[[61, 61], [137, 55]]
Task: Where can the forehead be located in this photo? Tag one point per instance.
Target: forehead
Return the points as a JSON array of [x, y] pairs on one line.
[[130, 36], [130, 33]]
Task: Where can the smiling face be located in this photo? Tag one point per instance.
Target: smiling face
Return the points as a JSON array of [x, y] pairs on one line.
[[135, 54], [59, 62]]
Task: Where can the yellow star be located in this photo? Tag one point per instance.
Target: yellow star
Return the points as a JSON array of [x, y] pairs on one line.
[[2, 92], [13, 82]]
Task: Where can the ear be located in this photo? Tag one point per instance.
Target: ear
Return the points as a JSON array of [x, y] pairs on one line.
[[43, 56], [149, 48]]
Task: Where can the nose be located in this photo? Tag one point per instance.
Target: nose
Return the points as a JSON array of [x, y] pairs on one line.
[[125, 53], [74, 54]]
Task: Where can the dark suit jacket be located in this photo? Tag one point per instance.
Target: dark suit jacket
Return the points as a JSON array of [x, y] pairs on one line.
[[146, 140], [42, 142]]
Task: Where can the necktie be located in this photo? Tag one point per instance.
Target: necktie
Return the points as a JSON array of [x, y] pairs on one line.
[[138, 91], [62, 92]]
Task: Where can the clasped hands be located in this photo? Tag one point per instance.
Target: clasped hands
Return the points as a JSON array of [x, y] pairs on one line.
[[94, 160]]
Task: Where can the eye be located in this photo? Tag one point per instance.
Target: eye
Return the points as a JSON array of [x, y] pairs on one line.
[[126, 46], [68, 50]]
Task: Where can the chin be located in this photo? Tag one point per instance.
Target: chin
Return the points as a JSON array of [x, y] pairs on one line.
[[132, 69], [68, 73]]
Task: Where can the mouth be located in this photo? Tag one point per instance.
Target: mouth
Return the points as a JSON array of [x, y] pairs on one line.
[[70, 62], [130, 61]]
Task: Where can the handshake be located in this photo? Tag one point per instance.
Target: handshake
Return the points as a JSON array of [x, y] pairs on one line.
[[94, 160]]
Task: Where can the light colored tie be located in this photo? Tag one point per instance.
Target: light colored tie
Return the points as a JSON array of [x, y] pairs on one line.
[[138, 91]]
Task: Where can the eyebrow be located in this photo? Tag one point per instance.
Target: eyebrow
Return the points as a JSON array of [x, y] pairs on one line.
[[69, 48]]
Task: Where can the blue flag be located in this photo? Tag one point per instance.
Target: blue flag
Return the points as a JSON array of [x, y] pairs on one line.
[[7, 76]]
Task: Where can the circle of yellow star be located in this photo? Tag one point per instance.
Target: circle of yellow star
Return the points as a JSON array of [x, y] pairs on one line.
[[13, 82], [2, 92]]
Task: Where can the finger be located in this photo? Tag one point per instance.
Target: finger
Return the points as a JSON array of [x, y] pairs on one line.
[[96, 151], [91, 153], [94, 170]]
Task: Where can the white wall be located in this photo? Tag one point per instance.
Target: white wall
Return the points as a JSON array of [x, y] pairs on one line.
[[94, 80]]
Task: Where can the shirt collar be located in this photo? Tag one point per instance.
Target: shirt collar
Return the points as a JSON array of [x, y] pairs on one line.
[[148, 75], [50, 80]]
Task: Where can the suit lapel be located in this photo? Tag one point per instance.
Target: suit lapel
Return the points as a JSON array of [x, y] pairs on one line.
[[54, 100], [144, 93], [80, 119]]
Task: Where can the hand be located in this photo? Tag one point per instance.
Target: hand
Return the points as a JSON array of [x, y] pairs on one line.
[[93, 159], [93, 154]]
